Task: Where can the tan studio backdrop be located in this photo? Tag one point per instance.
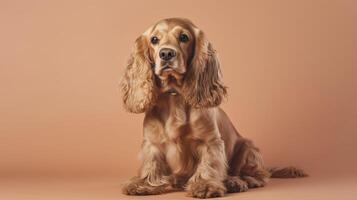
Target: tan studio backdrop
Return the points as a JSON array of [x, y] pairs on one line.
[[291, 69]]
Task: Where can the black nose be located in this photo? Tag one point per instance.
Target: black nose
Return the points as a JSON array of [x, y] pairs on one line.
[[167, 54]]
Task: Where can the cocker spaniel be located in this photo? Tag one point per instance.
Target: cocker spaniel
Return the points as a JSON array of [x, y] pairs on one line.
[[189, 143]]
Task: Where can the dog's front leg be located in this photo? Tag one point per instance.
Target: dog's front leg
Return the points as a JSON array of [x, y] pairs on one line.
[[207, 181], [153, 175]]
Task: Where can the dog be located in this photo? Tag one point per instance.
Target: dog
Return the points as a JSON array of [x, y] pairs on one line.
[[173, 76]]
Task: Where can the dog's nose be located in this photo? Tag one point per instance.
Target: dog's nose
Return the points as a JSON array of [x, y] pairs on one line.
[[167, 54]]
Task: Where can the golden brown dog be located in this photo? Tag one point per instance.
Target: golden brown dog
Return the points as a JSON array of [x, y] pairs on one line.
[[173, 76]]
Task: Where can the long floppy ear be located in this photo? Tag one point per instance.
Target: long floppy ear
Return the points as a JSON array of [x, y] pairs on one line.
[[137, 85], [202, 85]]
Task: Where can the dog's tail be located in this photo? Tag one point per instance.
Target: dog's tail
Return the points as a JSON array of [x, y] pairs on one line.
[[286, 172]]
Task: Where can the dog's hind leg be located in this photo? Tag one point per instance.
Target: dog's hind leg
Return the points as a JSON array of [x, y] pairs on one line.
[[235, 184], [247, 163], [234, 181]]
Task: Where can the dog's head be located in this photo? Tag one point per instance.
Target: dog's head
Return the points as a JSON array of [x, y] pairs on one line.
[[172, 55]]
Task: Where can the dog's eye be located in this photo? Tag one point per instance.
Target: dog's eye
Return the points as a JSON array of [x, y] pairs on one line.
[[183, 37], [154, 40]]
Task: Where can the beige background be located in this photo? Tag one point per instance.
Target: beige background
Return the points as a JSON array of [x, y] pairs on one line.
[[290, 66]]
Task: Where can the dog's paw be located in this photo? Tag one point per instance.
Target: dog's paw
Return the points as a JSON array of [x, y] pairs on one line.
[[137, 186], [205, 189], [235, 184], [254, 182]]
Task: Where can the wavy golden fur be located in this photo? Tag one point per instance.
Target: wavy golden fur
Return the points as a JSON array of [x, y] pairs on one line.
[[173, 76]]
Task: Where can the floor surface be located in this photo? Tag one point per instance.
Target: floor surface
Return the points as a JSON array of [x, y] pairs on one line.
[[313, 187]]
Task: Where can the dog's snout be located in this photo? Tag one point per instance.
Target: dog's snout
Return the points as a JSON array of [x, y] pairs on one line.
[[167, 54]]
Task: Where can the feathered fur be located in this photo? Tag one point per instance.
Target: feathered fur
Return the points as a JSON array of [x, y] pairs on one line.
[[137, 86], [189, 142], [203, 86]]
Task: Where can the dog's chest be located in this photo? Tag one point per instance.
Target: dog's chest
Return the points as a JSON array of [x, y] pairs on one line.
[[180, 158], [179, 145], [176, 121]]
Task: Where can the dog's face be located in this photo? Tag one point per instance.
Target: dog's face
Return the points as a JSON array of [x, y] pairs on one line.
[[172, 48], [173, 55]]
